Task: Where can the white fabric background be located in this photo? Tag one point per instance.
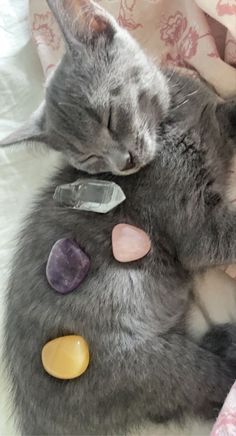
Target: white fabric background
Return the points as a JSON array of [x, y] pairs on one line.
[[22, 172]]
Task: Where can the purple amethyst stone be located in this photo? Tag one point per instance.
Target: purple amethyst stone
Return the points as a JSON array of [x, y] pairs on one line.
[[67, 266]]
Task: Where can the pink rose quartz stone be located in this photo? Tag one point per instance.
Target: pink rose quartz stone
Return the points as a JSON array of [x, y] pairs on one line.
[[129, 243]]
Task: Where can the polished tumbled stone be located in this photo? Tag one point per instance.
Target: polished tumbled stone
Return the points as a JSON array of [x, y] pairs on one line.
[[67, 266], [66, 357], [129, 243]]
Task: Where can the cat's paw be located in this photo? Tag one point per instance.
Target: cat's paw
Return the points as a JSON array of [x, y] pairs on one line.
[[221, 340]]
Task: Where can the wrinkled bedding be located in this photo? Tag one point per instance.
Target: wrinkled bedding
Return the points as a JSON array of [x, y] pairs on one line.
[[22, 172]]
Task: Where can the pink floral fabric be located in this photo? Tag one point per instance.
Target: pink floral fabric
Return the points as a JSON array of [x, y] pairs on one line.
[[46, 35], [226, 423], [196, 36]]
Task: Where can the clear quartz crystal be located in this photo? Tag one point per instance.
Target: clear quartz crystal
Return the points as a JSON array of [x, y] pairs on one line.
[[91, 195]]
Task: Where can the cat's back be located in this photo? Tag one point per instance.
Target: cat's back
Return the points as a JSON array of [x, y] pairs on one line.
[[115, 309], [107, 278]]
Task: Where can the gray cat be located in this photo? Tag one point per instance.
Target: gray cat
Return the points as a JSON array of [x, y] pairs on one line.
[[109, 109]]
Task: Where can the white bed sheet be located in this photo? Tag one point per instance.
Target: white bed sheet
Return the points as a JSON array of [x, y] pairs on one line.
[[21, 172]]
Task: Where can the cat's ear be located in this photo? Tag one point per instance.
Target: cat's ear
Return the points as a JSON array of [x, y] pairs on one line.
[[32, 130], [82, 20], [226, 116]]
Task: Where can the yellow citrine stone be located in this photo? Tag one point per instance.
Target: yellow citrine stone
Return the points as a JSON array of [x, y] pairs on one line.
[[66, 357]]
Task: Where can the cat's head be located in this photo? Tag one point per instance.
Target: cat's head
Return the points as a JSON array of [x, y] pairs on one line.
[[105, 100]]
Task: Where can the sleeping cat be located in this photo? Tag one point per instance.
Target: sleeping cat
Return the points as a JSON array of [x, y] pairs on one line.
[[109, 109]]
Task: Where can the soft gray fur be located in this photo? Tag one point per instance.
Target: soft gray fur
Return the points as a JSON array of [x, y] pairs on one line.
[[99, 72], [143, 363]]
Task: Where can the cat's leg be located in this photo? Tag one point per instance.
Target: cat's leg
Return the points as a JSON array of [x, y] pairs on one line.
[[211, 244], [180, 377]]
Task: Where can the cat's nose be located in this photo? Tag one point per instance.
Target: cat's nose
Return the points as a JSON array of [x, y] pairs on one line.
[[129, 165]]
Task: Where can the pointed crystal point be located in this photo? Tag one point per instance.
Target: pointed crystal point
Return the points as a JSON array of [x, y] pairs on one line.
[[90, 195]]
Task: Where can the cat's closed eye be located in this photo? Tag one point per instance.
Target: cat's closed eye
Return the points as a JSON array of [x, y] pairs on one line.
[[88, 158], [110, 119]]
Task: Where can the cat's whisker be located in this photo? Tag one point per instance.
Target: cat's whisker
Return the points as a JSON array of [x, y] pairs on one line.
[[61, 103], [180, 89], [187, 99], [171, 76], [192, 93], [181, 104]]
